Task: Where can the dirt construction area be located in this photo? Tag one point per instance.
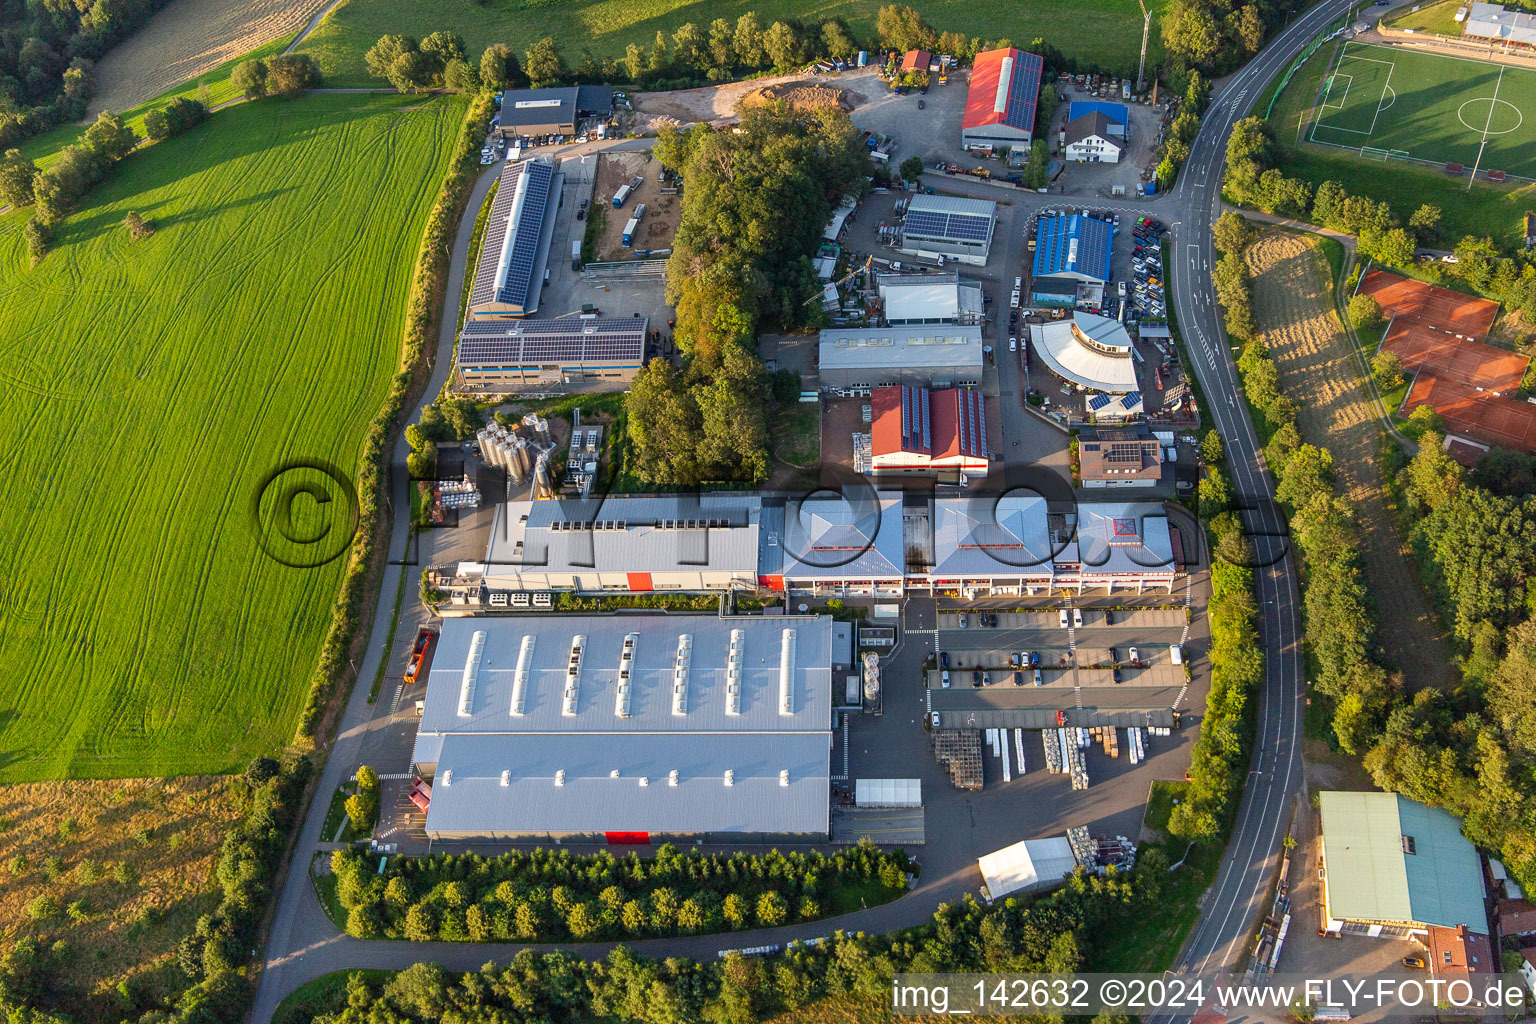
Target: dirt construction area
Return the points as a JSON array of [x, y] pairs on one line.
[[1293, 308], [719, 104], [188, 38], [663, 213]]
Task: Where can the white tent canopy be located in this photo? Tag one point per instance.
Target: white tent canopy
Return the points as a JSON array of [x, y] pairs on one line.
[[888, 792], [1031, 864]]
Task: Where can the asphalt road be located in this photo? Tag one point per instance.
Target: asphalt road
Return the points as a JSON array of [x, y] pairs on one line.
[[303, 945]]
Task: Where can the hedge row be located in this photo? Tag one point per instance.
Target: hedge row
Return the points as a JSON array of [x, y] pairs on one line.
[[548, 896], [421, 318]]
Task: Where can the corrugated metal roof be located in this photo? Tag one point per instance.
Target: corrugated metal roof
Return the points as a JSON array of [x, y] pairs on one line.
[[834, 540], [1061, 350], [1493, 21], [1122, 537], [591, 799], [616, 340], [1117, 112], [1371, 877], [924, 203], [919, 345], [985, 535], [1074, 245], [1004, 88], [642, 534]]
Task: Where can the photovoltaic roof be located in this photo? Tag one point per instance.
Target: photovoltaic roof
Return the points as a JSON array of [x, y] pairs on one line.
[[1074, 244], [1004, 87], [962, 220], [515, 342], [509, 252]]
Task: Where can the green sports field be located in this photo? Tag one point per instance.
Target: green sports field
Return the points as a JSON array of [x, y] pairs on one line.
[[1107, 32], [1429, 107], [148, 622]]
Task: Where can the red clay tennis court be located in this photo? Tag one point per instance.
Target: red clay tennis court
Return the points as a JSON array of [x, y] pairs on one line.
[[1426, 320], [1478, 414]]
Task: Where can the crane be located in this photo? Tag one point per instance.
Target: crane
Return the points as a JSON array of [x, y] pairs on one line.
[[1146, 28], [856, 270]]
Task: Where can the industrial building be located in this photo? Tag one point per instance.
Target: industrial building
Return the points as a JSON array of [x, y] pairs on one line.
[[1014, 545], [944, 298], [551, 356], [1000, 104], [1094, 352], [863, 357], [631, 728], [514, 251], [1396, 868], [825, 546], [1118, 114], [1026, 866], [1118, 457], [1089, 140], [1053, 292], [625, 544], [951, 227], [528, 112], [915, 429], [1074, 246], [1500, 24]]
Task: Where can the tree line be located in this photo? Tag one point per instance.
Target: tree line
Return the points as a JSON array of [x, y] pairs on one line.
[[47, 59], [544, 896], [1215, 37], [1253, 180], [1219, 757], [756, 199], [1058, 931], [692, 55], [1183, 129]]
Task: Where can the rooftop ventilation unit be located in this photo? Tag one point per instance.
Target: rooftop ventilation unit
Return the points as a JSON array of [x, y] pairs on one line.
[[520, 677], [506, 777], [680, 674], [787, 673], [573, 677], [471, 674], [621, 699], [1004, 81], [644, 781], [672, 777], [733, 672], [613, 774], [448, 778], [730, 777], [559, 776], [784, 777]]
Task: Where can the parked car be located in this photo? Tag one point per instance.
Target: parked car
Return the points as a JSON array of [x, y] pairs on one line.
[[1077, 618], [944, 659], [1109, 617], [944, 679], [1062, 618], [1018, 678], [1409, 961], [1034, 659], [933, 719], [1014, 659], [1114, 656], [976, 677], [964, 622], [1135, 658], [1039, 678], [1114, 674]]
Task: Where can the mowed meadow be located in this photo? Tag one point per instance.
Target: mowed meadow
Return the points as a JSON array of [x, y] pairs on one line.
[[154, 387], [1106, 32]]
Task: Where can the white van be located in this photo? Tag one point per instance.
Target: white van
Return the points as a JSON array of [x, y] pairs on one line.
[[1177, 654]]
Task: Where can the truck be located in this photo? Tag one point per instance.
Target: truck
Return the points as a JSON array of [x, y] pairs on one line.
[[419, 649], [621, 196], [629, 231], [576, 254], [639, 211]]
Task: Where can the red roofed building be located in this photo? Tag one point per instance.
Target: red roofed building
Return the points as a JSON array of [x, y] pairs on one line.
[[916, 60], [1000, 107], [1459, 950], [918, 429], [1517, 917]]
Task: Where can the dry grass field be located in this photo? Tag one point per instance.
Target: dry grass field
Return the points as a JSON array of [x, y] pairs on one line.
[[127, 866], [188, 38], [1293, 306]]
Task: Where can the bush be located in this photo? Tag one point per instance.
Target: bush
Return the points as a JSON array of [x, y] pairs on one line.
[[1364, 312], [138, 228], [43, 908], [250, 77], [1387, 369], [38, 237]]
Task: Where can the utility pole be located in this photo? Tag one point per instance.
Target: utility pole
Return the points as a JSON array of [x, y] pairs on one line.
[[1146, 28]]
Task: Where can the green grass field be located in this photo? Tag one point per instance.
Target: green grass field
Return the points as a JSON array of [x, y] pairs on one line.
[[1431, 107], [1438, 18], [1487, 209], [1104, 31], [155, 386]]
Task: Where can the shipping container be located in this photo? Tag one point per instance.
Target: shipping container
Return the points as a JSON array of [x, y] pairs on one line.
[[629, 231], [621, 196]]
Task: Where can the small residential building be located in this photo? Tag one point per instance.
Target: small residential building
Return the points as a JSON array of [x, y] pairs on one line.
[[951, 227], [1118, 457], [528, 112], [514, 251], [1459, 950], [1517, 917], [1088, 140], [1496, 23], [1000, 103], [937, 355], [923, 431], [916, 60], [1074, 246], [631, 728], [827, 546], [1528, 968], [551, 356], [1118, 115], [694, 544], [1094, 352], [1395, 867]]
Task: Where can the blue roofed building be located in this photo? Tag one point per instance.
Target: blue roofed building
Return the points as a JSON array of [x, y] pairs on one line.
[[1118, 114], [1074, 246]]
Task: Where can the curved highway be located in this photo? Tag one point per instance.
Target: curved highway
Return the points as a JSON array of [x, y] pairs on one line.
[[304, 944]]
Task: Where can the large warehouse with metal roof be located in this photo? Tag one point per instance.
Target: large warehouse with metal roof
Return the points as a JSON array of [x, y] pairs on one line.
[[515, 248], [1000, 106], [631, 727], [1074, 246], [955, 227], [551, 356], [526, 112]]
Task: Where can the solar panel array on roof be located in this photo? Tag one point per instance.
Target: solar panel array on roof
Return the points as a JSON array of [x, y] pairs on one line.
[[1123, 453], [1074, 245], [508, 342], [1131, 400], [1023, 87], [528, 211], [963, 227], [1098, 402]]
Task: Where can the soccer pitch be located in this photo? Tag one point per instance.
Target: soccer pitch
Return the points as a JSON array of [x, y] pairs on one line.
[[1385, 100]]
